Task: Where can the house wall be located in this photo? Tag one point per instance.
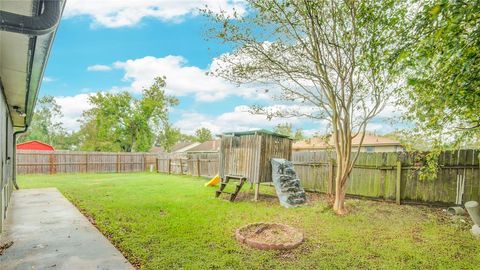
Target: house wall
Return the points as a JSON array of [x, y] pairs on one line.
[[367, 149], [6, 157], [381, 148]]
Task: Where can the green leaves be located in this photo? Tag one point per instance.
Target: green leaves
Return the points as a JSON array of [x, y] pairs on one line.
[[203, 135], [168, 137], [443, 68], [435, 10], [287, 130], [46, 125], [121, 122]]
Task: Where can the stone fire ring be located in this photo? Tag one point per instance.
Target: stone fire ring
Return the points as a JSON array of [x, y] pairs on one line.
[[269, 236]]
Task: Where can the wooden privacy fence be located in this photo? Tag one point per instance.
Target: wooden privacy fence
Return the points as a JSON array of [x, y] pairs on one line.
[[387, 176], [52, 162], [195, 165], [396, 176]]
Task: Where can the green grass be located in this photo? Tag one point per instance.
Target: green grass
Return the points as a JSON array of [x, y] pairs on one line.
[[174, 222]]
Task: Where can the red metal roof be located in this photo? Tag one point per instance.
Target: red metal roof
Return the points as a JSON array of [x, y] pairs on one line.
[[35, 145]]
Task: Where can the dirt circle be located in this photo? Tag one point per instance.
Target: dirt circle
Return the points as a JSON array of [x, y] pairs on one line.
[[269, 236]]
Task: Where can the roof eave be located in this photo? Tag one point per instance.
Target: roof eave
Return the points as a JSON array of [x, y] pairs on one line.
[[38, 52]]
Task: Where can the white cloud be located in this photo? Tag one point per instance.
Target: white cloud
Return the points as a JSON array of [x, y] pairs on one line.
[[72, 108], [121, 13], [312, 132], [391, 111], [381, 127], [47, 79], [99, 68], [182, 79], [240, 119]]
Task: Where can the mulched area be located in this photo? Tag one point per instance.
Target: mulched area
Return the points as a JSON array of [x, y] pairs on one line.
[[269, 236]]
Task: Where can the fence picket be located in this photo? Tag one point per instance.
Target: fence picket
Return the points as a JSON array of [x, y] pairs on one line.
[[389, 176], [52, 162]]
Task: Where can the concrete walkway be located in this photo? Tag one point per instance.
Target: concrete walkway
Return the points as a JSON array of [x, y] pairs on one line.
[[48, 232]]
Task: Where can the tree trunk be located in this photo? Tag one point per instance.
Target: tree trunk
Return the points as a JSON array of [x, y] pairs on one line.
[[343, 153], [340, 190]]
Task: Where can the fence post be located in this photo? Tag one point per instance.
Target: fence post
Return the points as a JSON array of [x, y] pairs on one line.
[[86, 163], [198, 166], [169, 166], [144, 162], [331, 177], [51, 163], [398, 184], [181, 166], [118, 162]]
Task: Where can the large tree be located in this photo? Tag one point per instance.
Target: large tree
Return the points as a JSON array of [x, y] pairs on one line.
[[122, 122], [442, 65], [331, 58], [47, 126], [168, 137]]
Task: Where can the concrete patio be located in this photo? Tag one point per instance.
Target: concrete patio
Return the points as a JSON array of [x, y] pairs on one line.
[[48, 232]]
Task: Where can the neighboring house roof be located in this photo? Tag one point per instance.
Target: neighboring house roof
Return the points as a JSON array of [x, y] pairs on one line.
[[157, 149], [254, 132], [320, 143], [208, 146], [183, 147], [180, 147], [27, 30], [35, 145]]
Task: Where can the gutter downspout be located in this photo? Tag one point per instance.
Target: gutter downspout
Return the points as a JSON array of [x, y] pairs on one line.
[[14, 161], [41, 24]]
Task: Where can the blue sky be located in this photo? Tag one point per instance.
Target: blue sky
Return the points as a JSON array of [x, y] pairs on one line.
[[114, 45]]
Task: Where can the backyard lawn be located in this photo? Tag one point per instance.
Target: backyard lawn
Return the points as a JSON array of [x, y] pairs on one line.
[[174, 222]]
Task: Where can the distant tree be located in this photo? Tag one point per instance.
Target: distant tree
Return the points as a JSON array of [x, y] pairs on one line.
[[121, 122], [410, 141], [298, 136], [284, 129], [203, 135], [68, 141], [287, 130], [91, 139], [46, 125], [332, 58], [168, 137], [188, 138]]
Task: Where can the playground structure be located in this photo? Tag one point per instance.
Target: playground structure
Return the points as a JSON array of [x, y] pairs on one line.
[[246, 156]]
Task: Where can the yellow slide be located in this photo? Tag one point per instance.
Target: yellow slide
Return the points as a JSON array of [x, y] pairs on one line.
[[214, 181]]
